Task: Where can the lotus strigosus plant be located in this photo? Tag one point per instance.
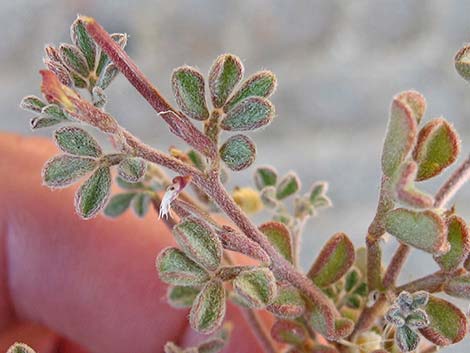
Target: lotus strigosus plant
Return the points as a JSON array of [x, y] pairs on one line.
[[348, 301]]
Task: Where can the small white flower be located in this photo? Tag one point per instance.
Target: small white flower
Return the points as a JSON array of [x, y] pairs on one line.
[[171, 193]]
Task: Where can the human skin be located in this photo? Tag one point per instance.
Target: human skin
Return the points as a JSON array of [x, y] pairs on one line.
[[69, 285]]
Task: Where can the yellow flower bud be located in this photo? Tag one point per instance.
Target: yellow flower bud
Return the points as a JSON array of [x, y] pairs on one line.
[[248, 199]]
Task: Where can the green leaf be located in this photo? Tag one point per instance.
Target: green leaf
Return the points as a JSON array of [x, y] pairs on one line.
[[40, 122], [20, 348], [182, 296], [53, 111], [77, 141], [174, 267], [424, 230], [132, 169], [279, 236], [63, 170], [109, 74], [352, 279], [188, 88], [328, 326], [83, 41], [121, 40], [199, 242], [288, 186], [400, 138], [462, 62], [289, 332], [288, 303], [459, 240], [208, 310], [224, 75], [118, 204], [141, 204], [334, 260], [415, 101], [447, 325], [260, 84], [407, 340], [257, 287], [458, 287], [417, 319], [238, 152], [405, 189], [129, 186], [73, 59], [318, 190], [32, 103], [250, 114], [91, 197], [438, 146], [265, 176]]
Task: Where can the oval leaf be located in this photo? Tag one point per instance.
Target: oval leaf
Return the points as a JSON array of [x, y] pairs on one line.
[[208, 310], [188, 88], [290, 332], [182, 296], [109, 74], [458, 287], [406, 192], [250, 114], [257, 287], [448, 323], [288, 186], [174, 267], [73, 58], [424, 230], [77, 141], [407, 340], [265, 176], [260, 84], [279, 236], [400, 138], [91, 197], [83, 41], [63, 170], [40, 122], [132, 169], [462, 62], [415, 101], [141, 204], [118, 204], [32, 103], [288, 303], [199, 242], [238, 152], [224, 75], [334, 260], [458, 238], [437, 147]]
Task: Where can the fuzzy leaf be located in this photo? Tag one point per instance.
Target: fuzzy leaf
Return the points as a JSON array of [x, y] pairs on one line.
[[181, 296], [174, 267], [32, 103], [415, 101], [20, 348], [238, 152], [352, 279], [424, 230], [91, 197], [447, 323], [132, 169], [268, 197], [458, 287], [63, 170], [417, 319], [289, 332], [462, 62], [250, 114], [129, 186], [400, 138], [229, 273], [437, 147], [83, 41], [318, 190], [109, 74], [77, 141], [40, 122], [459, 240], [257, 287], [328, 326], [334, 260], [288, 303], [199, 242], [407, 340], [224, 75], [118, 204], [241, 243], [73, 58], [260, 84], [141, 204], [121, 40], [265, 176], [279, 236], [406, 191], [53, 111], [208, 310], [188, 88], [288, 186]]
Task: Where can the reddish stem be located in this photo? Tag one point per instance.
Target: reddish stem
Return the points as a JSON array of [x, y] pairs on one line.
[[396, 264], [448, 190]]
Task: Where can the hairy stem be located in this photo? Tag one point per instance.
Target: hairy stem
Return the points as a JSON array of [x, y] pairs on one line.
[[448, 190], [396, 265]]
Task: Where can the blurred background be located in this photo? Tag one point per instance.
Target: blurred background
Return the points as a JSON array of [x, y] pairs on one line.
[[338, 63]]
